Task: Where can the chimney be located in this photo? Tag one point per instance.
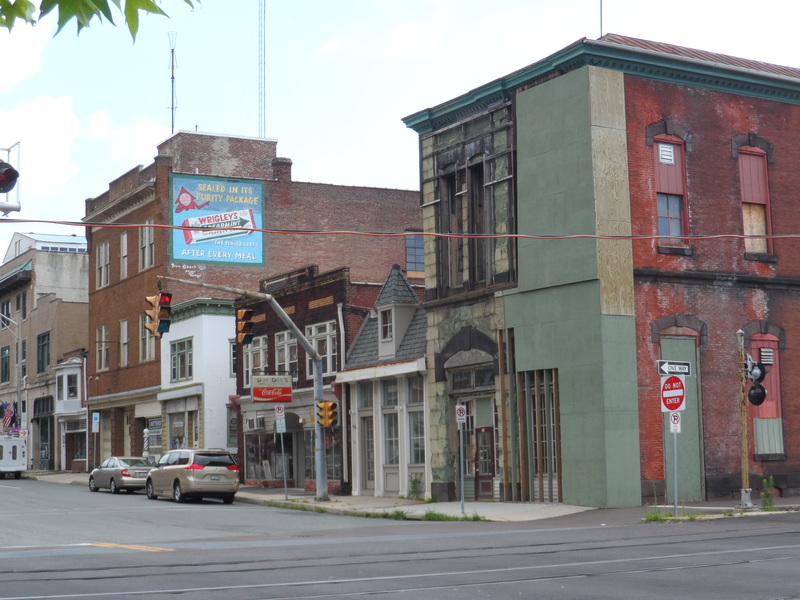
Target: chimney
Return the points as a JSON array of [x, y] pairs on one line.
[[282, 169]]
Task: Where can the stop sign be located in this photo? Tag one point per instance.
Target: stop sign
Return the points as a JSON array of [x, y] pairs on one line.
[[672, 393]]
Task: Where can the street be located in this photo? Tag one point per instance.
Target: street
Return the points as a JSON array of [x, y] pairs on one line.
[[61, 541]]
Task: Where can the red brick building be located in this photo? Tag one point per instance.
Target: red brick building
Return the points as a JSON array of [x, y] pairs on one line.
[[223, 190], [328, 308], [653, 190]]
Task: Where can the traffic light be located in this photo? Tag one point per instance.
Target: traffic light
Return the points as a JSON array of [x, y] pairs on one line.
[[8, 177], [164, 311], [757, 372], [326, 415], [244, 325], [160, 313]]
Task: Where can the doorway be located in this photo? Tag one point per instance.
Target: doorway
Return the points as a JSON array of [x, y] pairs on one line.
[[484, 463]]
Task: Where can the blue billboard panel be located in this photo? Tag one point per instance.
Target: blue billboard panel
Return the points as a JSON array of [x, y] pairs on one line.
[[217, 220]]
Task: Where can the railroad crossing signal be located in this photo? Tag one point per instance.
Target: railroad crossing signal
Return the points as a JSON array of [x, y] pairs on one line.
[[8, 177]]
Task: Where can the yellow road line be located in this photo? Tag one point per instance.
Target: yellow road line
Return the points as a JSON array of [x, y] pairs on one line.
[[135, 547]]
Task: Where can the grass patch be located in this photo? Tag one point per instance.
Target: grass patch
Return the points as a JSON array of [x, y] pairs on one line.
[[432, 515], [294, 506]]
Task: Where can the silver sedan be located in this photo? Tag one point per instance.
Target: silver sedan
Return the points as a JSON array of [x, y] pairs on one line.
[[117, 473]]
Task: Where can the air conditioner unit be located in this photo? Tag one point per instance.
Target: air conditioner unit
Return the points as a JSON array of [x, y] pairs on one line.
[[250, 424], [260, 423]]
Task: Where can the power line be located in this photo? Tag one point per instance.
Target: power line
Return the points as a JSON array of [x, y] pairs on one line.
[[521, 236]]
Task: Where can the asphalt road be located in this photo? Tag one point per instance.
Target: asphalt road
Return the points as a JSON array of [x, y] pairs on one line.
[[64, 542]]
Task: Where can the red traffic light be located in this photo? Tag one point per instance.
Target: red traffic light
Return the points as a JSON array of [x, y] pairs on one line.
[[8, 177]]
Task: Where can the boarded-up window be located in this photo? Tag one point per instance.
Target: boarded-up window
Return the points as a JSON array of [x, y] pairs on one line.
[[755, 199]]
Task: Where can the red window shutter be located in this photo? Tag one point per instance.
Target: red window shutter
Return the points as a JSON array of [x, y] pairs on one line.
[[753, 177], [669, 177]]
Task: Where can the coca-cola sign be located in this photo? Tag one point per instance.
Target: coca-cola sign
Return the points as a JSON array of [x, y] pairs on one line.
[[272, 388]]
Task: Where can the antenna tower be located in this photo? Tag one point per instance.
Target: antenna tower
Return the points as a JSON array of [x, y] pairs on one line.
[[262, 67], [172, 40]]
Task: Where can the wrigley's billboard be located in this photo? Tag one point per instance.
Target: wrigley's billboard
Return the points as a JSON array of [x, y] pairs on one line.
[[217, 220]]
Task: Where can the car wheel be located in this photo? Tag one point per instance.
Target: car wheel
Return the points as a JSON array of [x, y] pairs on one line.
[[113, 486], [177, 492], [228, 498], [92, 485], [151, 493]]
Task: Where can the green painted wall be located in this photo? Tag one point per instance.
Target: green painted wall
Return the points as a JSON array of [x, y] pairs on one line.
[[573, 308]]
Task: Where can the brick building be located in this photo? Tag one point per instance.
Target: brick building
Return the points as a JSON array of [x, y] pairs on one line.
[[198, 213], [652, 187], [328, 308]]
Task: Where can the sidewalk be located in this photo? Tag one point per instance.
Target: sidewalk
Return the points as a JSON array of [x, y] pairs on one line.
[[582, 516]]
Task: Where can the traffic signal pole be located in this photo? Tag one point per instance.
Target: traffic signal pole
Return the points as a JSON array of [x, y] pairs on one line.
[[319, 441]]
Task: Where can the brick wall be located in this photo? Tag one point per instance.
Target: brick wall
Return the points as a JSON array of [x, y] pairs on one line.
[[738, 291]]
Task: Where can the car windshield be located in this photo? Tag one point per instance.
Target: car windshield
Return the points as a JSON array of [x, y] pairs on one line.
[[134, 462], [213, 460]]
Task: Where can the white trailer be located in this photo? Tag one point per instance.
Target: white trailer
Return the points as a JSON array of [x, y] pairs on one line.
[[13, 457]]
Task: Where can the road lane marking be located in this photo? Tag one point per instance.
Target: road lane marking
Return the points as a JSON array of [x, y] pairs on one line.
[[134, 547]]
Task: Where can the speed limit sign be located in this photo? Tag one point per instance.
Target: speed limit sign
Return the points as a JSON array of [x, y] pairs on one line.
[[461, 413]]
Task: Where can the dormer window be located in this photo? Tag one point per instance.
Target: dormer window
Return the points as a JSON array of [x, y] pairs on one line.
[[386, 324]]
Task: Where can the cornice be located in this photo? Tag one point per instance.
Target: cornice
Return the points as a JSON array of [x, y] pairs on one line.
[[718, 279], [114, 210], [650, 64]]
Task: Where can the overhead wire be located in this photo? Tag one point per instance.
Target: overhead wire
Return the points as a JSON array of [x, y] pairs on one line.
[[523, 236]]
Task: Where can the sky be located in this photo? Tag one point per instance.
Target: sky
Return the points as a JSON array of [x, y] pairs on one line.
[[78, 111]]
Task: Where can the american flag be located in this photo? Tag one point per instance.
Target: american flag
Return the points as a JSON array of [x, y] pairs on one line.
[[8, 415]]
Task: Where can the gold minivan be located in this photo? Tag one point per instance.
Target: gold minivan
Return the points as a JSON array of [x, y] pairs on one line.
[[189, 473]]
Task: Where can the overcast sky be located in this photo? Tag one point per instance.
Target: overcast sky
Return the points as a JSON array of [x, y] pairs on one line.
[[340, 76]]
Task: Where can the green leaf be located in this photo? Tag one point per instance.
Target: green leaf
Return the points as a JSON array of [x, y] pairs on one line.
[[11, 11], [132, 8]]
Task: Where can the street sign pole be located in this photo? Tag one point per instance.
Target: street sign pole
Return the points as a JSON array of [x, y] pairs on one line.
[[280, 426], [283, 458], [675, 427], [461, 462], [675, 470], [461, 419]]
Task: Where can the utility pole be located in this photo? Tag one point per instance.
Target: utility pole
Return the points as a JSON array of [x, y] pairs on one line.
[[319, 441], [745, 501]]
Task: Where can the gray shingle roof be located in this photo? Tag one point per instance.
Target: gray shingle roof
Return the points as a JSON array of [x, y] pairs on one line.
[[364, 351], [396, 290]]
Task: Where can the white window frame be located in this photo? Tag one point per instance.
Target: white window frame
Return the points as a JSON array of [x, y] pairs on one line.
[[255, 358], [147, 253], [123, 343], [386, 324], [147, 341], [103, 348], [102, 263], [123, 255], [181, 360], [322, 336], [286, 360]]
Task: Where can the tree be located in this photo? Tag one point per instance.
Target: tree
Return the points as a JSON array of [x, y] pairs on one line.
[[83, 11]]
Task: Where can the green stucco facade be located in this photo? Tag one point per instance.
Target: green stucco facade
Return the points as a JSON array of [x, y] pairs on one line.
[[573, 308]]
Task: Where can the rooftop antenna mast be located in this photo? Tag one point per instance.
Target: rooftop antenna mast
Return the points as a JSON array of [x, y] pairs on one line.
[[173, 35], [601, 18], [262, 66]]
